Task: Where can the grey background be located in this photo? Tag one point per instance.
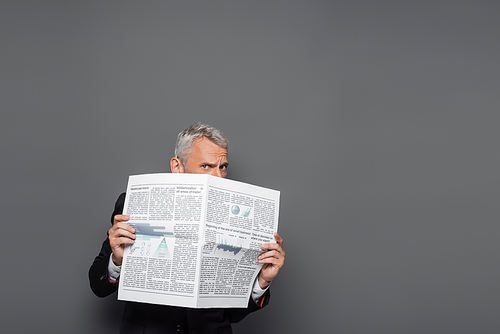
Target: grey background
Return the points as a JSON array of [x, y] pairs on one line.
[[378, 121]]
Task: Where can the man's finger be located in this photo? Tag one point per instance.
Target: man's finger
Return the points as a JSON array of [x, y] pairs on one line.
[[273, 246], [270, 254], [120, 218], [125, 231], [278, 239], [125, 241], [122, 226]]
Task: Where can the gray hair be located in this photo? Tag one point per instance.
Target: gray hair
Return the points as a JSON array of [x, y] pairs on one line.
[[186, 138]]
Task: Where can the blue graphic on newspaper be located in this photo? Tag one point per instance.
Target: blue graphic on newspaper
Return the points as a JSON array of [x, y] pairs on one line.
[[152, 241], [230, 245], [243, 212]]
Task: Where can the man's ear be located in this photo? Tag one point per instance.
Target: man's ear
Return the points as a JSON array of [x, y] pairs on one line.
[[176, 165]]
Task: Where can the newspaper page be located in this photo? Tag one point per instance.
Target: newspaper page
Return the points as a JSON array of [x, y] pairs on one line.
[[197, 239]]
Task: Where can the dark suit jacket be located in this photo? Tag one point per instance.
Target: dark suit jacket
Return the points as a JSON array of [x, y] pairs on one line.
[[149, 318]]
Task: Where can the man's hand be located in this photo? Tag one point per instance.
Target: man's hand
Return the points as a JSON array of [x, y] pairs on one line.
[[120, 235], [273, 260]]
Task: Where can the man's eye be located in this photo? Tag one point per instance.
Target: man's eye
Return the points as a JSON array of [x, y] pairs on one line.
[[224, 167], [204, 166]]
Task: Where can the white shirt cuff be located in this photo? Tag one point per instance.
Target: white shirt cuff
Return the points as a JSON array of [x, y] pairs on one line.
[[257, 292], [113, 270]]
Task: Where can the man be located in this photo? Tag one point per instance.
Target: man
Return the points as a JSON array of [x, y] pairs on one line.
[[200, 149]]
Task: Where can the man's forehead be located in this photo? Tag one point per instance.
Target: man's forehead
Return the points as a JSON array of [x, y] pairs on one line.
[[206, 147]]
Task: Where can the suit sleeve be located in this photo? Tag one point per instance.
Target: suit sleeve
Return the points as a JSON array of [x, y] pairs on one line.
[[98, 273], [237, 314]]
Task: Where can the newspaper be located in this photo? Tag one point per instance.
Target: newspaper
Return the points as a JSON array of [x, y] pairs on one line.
[[197, 239]]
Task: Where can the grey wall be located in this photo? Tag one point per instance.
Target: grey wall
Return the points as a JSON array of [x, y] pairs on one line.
[[378, 121]]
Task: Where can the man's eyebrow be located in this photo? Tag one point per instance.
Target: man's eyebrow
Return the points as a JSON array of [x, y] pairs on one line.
[[211, 164]]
